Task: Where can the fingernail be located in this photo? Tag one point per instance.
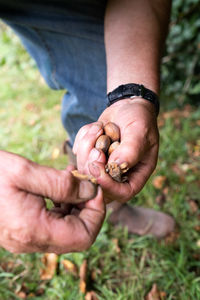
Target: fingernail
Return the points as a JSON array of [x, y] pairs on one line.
[[87, 190], [95, 128], [94, 154], [94, 169]]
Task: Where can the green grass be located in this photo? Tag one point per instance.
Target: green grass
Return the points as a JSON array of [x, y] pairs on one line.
[[30, 125]]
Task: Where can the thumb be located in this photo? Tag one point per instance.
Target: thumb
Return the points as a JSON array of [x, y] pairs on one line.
[[57, 185], [75, 233], [131, 149]]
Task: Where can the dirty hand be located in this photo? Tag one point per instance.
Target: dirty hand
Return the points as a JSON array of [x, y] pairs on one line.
[[139, 145], [25, 223]]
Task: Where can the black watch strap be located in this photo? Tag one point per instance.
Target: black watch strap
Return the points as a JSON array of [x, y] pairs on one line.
[[132, 90]]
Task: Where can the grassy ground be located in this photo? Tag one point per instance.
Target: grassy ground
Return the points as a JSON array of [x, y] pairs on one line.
[[119, 266]]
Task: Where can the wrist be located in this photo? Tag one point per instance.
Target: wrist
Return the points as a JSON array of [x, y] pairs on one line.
[[132, 91], [136, 102]]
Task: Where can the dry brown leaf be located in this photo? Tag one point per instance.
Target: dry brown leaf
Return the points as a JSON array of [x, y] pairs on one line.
[[91, 296], [50, 261], [116, 245], [30, 295], [83, 276], [166, 190], [155, 294], [196, 256], [158, 181], [177, 113], [55, 153], [93, 275], [179, 172], [193, 206], [161, 122], [161, 199], [70, 267], [197, 228], [82, 286], [57, 107], [198, 243], [21, 294], [31, 107], [172, 237], [32, 122]]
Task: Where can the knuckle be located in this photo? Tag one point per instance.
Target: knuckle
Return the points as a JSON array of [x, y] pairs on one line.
[[84, 130]]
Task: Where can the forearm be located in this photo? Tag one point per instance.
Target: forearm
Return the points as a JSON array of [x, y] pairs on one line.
[[135, 32]]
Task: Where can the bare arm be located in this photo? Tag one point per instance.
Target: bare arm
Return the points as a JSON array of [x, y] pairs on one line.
[[135, 32]]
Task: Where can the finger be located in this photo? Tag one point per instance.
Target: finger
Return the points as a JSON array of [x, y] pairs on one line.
[[142, 171], [113, 190], [95, 155], [59, 186], [72, 233], [87, 143], [83, 131], [134, 143]]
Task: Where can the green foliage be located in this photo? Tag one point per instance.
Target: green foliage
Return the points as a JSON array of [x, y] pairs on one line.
[[181, 62]]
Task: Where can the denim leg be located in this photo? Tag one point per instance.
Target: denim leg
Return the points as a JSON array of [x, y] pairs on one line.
[[72, 60]]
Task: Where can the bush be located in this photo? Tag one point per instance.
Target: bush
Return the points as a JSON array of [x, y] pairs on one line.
[[181, 62]]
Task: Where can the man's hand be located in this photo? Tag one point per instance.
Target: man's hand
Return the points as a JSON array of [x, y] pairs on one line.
[[25, 223], [136, 119]]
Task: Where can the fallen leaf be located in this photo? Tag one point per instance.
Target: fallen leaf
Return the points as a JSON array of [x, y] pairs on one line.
[[91, 296], [31, 107], [193, 206], [179, 172], [155, 294], [161, 199], [177, 113], [70, 267], [83, 276], [161, 122], [93, 275], [21, 295], [116, 245], [32, 122], [82, 286], [40, 291], [31, 295], [196, 256], [165, 190], [50, 261], [57, 107], [158, 181], [198, 243], [55, 153], [197, 228], [172, 237]]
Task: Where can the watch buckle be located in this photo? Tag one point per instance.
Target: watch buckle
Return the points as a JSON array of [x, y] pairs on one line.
[[141, 91]]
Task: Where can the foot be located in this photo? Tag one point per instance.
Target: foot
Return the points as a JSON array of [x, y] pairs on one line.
[[142, 221]]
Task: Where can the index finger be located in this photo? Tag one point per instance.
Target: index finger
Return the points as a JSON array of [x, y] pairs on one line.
[[84, 144]]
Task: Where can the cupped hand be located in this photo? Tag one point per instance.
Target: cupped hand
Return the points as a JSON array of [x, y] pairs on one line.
[[139, 145], [25, 223]]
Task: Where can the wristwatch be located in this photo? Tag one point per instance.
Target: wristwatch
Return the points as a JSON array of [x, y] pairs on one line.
[[132, 90]]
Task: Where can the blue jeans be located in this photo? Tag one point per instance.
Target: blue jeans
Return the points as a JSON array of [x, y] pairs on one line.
[[66, 39]]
